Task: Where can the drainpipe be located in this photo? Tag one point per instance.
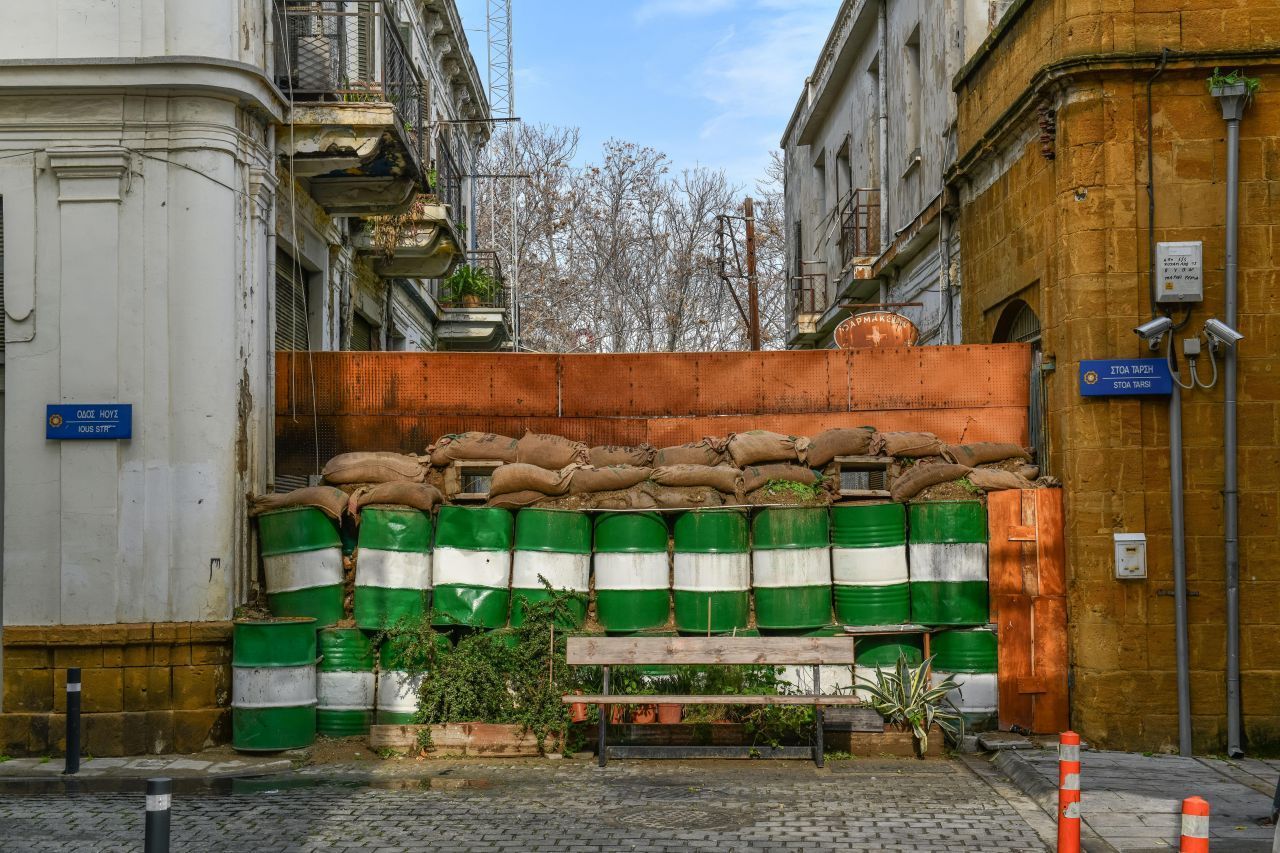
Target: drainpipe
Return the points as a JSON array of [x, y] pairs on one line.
[[882, 19], [1233, 105], [1179, 568]]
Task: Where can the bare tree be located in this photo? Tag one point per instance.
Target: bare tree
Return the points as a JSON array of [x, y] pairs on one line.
[[619, 255]]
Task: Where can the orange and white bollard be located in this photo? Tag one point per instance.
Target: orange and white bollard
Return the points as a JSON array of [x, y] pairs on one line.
[[1069, 793], [1195, 826]]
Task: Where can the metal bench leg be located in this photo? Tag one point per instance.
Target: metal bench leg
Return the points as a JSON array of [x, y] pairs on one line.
[[817, 718], [604, 720]]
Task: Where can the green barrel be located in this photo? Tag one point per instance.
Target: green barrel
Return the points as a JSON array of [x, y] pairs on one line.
[[400, 674], [393, 566], [968, 656], [302, 563], [344, 682], [869, 564], [791, 568], [633, 571], [835, 678], [273, 684], [712, 577], [554, 545], [948, 557], [874, 653], [472, 566]]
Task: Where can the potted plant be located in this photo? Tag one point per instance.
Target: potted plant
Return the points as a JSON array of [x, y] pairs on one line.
[[904, 697], [1234, 83], [471, 286], [669, 713]]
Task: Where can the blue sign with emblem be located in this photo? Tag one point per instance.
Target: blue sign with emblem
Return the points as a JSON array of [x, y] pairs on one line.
[[65, 421], [1115, 377]]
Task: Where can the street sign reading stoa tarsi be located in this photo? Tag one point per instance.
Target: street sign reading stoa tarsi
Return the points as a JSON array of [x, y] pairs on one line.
[[876, 330]]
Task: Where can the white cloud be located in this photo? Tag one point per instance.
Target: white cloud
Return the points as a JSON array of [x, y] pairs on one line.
[[656, 9]]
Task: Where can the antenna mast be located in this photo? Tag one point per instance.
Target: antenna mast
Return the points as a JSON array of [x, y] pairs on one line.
[[502, 105]]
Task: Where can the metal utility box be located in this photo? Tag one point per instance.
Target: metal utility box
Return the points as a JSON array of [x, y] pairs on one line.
[[1180, 272], [1131, 556]]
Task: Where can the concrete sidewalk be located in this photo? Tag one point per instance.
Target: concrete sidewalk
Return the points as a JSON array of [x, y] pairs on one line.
[[212, 765], [1133, 802]]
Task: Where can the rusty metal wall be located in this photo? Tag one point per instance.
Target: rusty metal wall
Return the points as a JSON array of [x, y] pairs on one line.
[[405, 401]]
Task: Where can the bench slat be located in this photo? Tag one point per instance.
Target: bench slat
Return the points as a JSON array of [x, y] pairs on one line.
[[613, 699], [810, 651]]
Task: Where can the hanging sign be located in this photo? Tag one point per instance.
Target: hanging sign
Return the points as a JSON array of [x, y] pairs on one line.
[[69, 421], [1115, 377], [876, 330]]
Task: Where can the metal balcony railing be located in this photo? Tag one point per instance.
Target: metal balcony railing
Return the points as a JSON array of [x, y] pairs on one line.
[[448, 184], [494, 296], [349, 51], [860, 225]]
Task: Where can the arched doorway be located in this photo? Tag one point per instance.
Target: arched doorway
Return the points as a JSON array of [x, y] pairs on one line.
[[1019, 324]]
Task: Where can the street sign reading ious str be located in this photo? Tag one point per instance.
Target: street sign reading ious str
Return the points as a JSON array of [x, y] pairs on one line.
[[1113, 377], [66, 421]]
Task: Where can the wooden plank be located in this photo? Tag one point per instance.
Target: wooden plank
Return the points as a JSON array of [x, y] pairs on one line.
[[867, 494], [1013, 656], [1029, 560], [1032, 684], [596, 651], [1051, 556], [718, 699], [1049, 654], [489, 739], [876, 630], [1022, 533], [868, 462], [1004, 573]]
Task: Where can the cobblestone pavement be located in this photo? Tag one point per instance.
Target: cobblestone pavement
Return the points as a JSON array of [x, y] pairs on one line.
[[562, 806], [1134, 802]]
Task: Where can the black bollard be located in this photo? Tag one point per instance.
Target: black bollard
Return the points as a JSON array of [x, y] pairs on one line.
[[159, 796], [73, 722]]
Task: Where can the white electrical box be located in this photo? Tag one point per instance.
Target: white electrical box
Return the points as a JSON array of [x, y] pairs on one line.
[[1131, 555], [1180, 272]]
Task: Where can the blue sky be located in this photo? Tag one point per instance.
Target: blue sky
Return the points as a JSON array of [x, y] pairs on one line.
[[709, 82]]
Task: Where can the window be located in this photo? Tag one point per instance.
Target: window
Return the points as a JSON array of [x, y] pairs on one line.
[[1019, 324], [291, 331], [873, 127], [844, 169], [362, 334], [820, 184], [911, 95]]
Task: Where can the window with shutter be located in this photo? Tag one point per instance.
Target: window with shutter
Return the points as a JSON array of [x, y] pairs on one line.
[[362, 335], [291, 305]]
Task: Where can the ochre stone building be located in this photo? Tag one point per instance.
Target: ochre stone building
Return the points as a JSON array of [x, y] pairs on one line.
[[1051, 184]]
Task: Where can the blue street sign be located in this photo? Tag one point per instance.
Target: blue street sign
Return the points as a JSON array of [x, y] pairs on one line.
[[1113, 377], [63, 421]]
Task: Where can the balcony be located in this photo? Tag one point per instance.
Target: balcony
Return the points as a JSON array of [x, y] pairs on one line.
[[421, 243], [474, 306], [860, 225], [356, 126]]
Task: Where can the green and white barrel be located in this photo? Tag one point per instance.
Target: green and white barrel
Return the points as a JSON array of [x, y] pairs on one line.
[[633, 571], [968, 655], [302, 562], [712, 577], [344, 682], [873, 653], [393, 566], [273, 684], [472, 566], [555, 545], [791, 568], [948, 556], [401, 670], [869, 564], [836, 678]]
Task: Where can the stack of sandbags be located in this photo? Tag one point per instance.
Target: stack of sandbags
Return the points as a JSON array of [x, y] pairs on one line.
[[706, 451], [824, 447], [419, 496], [611, 455], [473, 446], [332, 502], [366, 467], [907, 445]]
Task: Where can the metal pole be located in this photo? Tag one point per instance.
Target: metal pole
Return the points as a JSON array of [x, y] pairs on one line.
[[604, 722], [1179, 570], [72, 765], [1232, 109], [753, 295], [159, 797]]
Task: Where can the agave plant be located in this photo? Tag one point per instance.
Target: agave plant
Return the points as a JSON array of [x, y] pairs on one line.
[[904, 697]]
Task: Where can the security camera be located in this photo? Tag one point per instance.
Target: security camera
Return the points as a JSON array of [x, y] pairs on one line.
[[1154, 329], [1220, 334]]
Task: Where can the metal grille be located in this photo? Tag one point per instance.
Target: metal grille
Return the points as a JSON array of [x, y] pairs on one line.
[[448, 179], [291, 305], [860, 225], [361, 334]]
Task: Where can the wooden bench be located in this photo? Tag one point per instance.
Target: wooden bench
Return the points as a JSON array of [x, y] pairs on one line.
[[713, 651]]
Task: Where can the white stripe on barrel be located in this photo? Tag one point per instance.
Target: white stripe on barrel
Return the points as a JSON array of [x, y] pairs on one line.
[[790, 567], [462, 567], [975, 692], [632, 570], [393, 569], [273, 686], [345, 691], [398, 691], [699, 572], [302, 570], [869, 566], [948, 562], [562, 571]]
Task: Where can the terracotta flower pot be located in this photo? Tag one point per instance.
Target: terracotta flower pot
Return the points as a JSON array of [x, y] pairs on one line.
[[578, 710], [669, 714], [616, 714], [470, 300], [644, 715]]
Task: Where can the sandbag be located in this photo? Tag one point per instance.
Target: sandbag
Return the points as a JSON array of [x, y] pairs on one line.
[[920, 477], [983, 452], [756, 476], [516, 500], [758, 445], [473, 445], [332, 502], [682, 497], [612, 478], [1030, 472], [722, 478], [608, 455], [708, 451], [373, 467], [552, 452], [636, 497], [414, 495], [909, 444], [841, 441], [523, 477], [994, 480]]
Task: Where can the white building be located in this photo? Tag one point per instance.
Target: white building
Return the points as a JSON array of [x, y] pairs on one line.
[[867, 149], [186, 188]]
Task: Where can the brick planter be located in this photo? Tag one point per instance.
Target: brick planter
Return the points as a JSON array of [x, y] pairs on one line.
[[489, 740]]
